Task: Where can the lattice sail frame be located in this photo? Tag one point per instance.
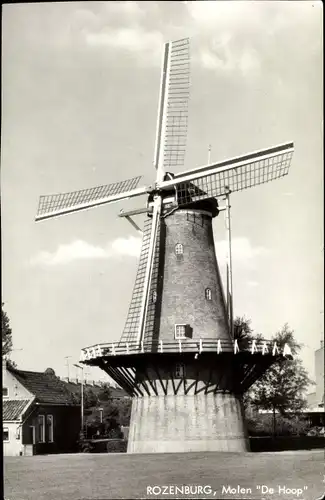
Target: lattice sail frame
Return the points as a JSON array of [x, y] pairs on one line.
[[177, 105], [218, 179], [172, 119], [131, 328], [64, 203]]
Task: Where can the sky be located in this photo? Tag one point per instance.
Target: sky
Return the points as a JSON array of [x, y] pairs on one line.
[[80, 87]]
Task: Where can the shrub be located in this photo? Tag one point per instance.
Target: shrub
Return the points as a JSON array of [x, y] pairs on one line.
[[117, 446], [262, 425]]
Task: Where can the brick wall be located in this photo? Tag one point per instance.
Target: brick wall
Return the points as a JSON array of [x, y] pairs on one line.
[[186, 278]]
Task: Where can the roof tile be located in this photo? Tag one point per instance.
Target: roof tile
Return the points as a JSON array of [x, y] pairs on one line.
[[45, 387], [13, 409]]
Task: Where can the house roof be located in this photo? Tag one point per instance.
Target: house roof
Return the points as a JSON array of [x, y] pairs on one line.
[[13, 409], [116, 392], [46, 387]]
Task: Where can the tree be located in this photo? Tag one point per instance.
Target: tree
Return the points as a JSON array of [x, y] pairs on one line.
[[243, 332], [281, 388], [6, 333], [105, 393], [6, 337]]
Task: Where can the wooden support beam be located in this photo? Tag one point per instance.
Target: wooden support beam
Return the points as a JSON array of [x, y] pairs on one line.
[[161, 382], [130, 213], [180, 383], [209, 380], [128, 378], [170, 371], [116, 377], [153, 386]]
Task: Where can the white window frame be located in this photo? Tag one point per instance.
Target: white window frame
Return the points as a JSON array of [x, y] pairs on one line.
[[179, 370], [6, 440], [42, 440], [177, 336], [208, 294], [7, 395], [179, 249], [18, 432], [50, 428]]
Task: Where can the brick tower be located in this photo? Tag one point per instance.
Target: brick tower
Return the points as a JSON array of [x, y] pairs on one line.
[[177, 357], [189, 400]]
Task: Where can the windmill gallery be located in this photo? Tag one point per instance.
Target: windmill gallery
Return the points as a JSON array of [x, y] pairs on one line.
[[177, 356]]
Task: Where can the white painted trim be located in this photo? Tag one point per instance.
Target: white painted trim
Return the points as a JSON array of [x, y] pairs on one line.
[[161, 112], [52, 427], [38, 426], [148, 274], [236, 159], [175, 335]]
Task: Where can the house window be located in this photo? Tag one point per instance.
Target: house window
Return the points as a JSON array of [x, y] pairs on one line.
[[208, 294], [5, 434], [50, 428], [5, 392], [179, 250], [41, 428], [18, 433], [180, 332], [179, 370], [154, 297]]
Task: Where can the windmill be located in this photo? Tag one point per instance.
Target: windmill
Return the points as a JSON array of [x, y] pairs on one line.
[[177, 356]]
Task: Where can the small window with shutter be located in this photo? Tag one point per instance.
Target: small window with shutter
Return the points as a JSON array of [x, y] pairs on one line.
[[180, 331]]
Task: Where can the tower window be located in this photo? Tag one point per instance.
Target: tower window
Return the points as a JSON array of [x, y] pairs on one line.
[[179, 370], [179, 250], [208, 294], [5, 392], [180, 331]]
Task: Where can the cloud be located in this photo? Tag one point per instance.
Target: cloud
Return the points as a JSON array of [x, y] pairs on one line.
[[242, 251], [121, 26], [134, 40], [81, 250], [127, 246], [236, 37]]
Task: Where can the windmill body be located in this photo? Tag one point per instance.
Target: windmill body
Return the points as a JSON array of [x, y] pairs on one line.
[[187, 401], [177, 357]]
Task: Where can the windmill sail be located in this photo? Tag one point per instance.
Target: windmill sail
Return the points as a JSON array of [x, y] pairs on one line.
[[173, 107], [236, 174], [177, 106], [131, 328], [65, 203]]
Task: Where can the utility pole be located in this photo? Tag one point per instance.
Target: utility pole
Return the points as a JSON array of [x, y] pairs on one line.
[[68, 367], [82, 395], [229, 267]]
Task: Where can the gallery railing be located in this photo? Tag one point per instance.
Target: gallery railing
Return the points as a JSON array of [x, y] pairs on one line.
[[184, 345]]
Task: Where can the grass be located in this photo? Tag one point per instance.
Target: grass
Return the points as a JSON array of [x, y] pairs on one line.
[[106, 476]]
